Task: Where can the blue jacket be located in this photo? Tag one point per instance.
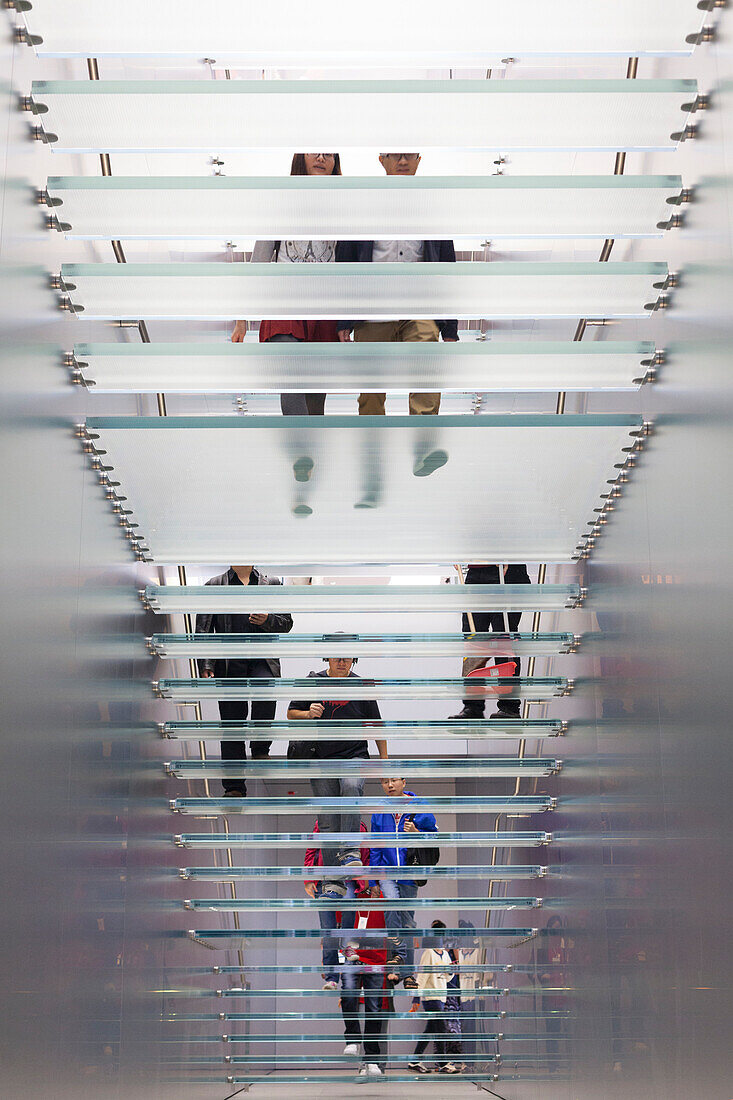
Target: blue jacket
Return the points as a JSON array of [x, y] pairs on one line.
[[385, 823]]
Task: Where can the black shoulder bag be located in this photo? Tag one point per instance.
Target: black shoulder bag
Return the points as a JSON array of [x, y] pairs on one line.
[[421, 857]]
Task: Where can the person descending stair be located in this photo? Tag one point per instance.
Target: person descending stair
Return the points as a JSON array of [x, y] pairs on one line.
[[496, 622], [236, 710]]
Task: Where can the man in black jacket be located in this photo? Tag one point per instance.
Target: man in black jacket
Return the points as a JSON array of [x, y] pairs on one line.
[[485, 621], [254, 668], [371, 404]]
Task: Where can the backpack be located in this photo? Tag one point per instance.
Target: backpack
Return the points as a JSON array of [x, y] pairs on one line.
[[421, 857]]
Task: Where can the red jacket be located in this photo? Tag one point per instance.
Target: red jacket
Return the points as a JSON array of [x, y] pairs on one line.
[[318, 332], [314, 858]]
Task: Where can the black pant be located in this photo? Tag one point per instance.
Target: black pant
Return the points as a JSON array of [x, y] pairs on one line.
[[496, 622], [236, 710], [435, 1029], [298, 404]]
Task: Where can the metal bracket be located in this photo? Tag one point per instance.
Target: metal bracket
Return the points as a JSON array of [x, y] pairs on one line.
[[707, 34], [22, 35], [689, 132]]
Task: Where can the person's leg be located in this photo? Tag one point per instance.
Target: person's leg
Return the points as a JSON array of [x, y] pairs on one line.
[[233, 710], [453, 1027], [315, 404], [349, 819], [263, 710], [327, 823], [372, 404], [473, 708], [510, 707], [291, 404], [408, 891], [421, 404], [432, 1025], [372, 986], [329, 941], [350, 986], [396, 946]]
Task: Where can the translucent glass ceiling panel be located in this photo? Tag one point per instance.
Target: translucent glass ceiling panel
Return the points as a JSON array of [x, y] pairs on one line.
[[353, 730], [299, 840], [198, 115], [523, 687], [374, 769], [501, 290], [288, 33], [342, 207], [363, 367], [546, 476], [167, 599], [358, 645]]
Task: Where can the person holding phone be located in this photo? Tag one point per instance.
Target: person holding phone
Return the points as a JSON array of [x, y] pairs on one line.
[[403, 888], [334, 702]]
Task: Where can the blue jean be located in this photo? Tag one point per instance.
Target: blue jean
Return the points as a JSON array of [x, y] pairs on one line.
[[405, 918], [348, 821], [351, 984], [329, 924]]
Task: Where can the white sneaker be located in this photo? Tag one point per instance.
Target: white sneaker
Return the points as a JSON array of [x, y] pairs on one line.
[[373, 1070], [330, 984], [351, 1050]]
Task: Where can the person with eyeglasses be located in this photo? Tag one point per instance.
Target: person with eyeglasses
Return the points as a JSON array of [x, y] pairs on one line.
[[289, 332], [370, 404]]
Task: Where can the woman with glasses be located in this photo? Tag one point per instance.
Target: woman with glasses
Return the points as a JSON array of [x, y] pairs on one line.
[[298, 252]]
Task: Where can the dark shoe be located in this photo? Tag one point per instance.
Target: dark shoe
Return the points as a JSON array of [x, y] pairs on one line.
[[303, 468], [507, 713], [470, 710], [302, 510], [419, 1067], [236, 792]]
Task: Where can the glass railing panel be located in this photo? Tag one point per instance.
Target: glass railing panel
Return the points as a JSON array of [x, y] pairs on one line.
[[344, 905], [234, 938], [456, 839], [197, 115], [503, 290], [394, 473], [354, 730], [366, 208], [469, 365], [292, 804], [311, 874], [360, 645], [488, 767], [324, 33], [246, 599], [484, 687]]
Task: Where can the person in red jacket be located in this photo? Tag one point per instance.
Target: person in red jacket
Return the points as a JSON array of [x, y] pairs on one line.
[[357, 980], [329, 918]]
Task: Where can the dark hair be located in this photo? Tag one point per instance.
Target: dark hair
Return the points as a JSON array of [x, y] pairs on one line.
[[298, 168], [555, 922], [437, 924]]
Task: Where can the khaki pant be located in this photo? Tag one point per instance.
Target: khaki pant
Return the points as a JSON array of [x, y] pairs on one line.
[[421, 404]]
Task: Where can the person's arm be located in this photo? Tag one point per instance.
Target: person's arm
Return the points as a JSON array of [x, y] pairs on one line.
[[305, 710], [426, 823], [278, 624]]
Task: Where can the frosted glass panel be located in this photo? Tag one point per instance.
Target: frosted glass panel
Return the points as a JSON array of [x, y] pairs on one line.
[[289, 33], [353, 730], [299, 873], [202, 115], [372, 769], [312, 840], [547, 473], [364, 367], [520, 687], [373, 291], [291, 805], [343, 207], [167, 599], [358, 645], [254, 905]]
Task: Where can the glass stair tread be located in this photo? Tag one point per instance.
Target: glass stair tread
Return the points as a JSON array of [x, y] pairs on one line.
[[232, 938], [495, 366], [198, 116], [501, 290], [492, 871], [360, 208], [547, 476], [244, 599], [355, 730], [484, 687], [288, 34], [482, 991], [172, 646], [346, 905], [423, 768], [479, 839], [292, 805]]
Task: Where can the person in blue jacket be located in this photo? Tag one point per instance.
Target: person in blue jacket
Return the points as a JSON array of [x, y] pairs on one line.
[[392, 888]]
